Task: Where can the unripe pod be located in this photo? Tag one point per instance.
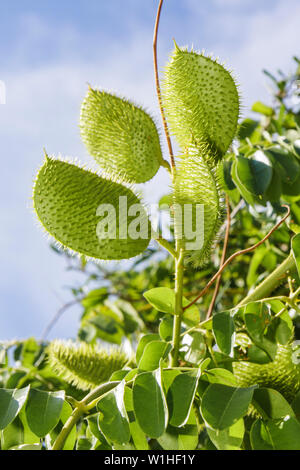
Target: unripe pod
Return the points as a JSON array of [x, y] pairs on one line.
[[67, 200], [84, 365], [197, 206], [121, 137], [201, 101], [281, 374]]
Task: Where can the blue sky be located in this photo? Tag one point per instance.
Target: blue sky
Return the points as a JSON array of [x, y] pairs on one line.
[[49, 51]]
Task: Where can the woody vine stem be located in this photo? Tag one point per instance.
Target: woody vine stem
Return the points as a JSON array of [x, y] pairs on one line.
[[178, 255]]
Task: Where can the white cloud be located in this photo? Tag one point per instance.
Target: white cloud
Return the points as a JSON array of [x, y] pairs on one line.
[[43, 103]]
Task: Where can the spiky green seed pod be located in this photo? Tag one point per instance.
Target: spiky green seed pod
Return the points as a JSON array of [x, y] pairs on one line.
[[196, 199], [201, 102], [121, 137], [69, 203], [83, 365], [281, 374]]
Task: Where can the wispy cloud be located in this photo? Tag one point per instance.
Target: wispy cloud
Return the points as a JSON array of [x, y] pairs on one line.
[[46, 73]]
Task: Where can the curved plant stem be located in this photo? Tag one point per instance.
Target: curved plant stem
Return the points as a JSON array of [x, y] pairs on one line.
[[165, 244], [82, 407], [215, 294], [57, 316], [178, 306], [271, 282], [158, 90], [238, 253]]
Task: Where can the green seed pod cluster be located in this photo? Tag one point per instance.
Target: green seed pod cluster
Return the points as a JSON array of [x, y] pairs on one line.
[[67, 199], [121, 137], [281, 374], [83, 365], [201, 101], [196, 185]]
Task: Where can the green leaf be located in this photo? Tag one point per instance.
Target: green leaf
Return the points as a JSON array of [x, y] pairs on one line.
[[29, 352], [18, 433], [146, 339], [220, 376], [261, 330], [166, 328], [296, 405], [296, 251], [222, 406], [259, 438], [285, 328], [247, 128], [223, 329], [247, 195], [43, 410], [256, 321], [284, 433], [271, 404], [84, 443], [94, 429], [113, 421], [94, 297], [194, 347], [163, 299], [183, 438], [149, 402], [254, 173], [131, 319], [181, 396], [11, 403], [226, 176], [230, 438], [261, 108], [256, 261], [138, 436], [152, 354], [88, 214], [121, 137], [71, 439], [285, 163]]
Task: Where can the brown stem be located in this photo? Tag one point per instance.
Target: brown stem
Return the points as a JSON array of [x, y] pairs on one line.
[[238, 253], [213, 300], [158, 91]]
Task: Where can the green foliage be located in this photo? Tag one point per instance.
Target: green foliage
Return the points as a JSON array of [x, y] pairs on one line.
[[82, 365], [121, 137], [223, 406], [113, 419], [43, 411]]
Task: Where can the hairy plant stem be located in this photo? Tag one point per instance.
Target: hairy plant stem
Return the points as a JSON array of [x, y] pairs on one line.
[[271, 282], [81, 407], [178, 304]]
